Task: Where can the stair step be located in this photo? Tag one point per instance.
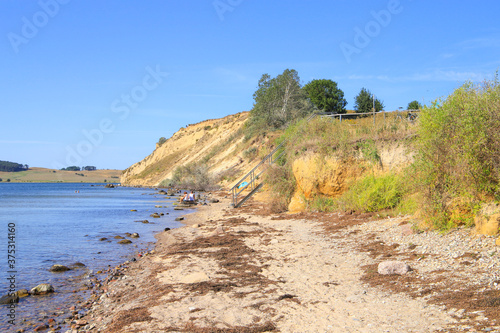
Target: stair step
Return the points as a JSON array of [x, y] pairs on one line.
[[258, 187]]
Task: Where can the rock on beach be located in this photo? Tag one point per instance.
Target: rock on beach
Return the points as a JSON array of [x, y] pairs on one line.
[[393, 267]]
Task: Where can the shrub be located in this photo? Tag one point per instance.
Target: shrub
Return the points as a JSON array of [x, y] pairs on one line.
[[322, 204], [191, 176], [161, 141], [459, 150], [250, 153], [282, 184], [371, 194]]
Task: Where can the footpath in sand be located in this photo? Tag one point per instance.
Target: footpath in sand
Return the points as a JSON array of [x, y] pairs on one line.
[[244, 270]]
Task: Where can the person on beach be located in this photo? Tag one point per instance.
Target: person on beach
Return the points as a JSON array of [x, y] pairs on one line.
[[188, 197]]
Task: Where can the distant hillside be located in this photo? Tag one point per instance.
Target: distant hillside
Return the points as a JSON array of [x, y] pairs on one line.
[[43, 175]]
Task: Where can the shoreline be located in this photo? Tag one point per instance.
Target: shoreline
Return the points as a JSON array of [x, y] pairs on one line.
[[75, 288], [245, 270]]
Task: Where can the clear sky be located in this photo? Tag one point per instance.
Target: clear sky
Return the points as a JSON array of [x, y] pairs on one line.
[[98, 82]]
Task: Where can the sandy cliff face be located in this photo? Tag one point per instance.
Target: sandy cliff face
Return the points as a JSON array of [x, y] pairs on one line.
[[190, 145], [331, 176]]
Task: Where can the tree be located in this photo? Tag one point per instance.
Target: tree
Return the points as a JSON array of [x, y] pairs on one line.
[[326, 96], [161, 141], [278, 101], [364, 102], [414, 105]]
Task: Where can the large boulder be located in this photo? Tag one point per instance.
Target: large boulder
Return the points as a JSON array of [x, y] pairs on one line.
[[41, 289]]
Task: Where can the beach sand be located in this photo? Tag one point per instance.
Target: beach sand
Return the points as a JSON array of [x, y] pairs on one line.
[[246, 270]]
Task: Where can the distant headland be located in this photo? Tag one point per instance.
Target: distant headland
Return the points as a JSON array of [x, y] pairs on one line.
[[11, 172]]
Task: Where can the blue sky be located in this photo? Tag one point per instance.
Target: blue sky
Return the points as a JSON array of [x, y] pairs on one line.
[[99, 82]]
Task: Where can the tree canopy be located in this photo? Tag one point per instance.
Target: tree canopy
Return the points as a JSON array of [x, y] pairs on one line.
[[363, 102], [326, 96], [12, 166], [71, 168], [278, 101], [414, 105]]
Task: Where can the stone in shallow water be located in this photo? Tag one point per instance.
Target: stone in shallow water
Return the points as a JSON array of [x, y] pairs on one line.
[[43, 288], [59, 268], [9, 299], [125, 241]]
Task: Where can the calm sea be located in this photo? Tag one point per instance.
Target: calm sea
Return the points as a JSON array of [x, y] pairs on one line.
[[63, 223]]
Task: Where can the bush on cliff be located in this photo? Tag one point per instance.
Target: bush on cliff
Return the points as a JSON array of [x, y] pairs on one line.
[[459, 153], [373, 193], [191, 176]]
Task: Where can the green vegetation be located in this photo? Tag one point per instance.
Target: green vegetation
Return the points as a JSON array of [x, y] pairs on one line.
[[456, 168], [282, 184], [12, 166], [71, 168], [414, 105], [459, 153], [326, 96], [277, 102], [161, 141], [364, 102], [372, 194], [191, 176]]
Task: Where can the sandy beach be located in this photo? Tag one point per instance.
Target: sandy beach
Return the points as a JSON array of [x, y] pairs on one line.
[[246, 270]]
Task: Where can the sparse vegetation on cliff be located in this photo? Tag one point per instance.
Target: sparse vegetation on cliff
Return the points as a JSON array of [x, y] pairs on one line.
[[355, 143]]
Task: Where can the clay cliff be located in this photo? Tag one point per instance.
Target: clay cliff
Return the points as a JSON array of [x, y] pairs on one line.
[[213, 142]]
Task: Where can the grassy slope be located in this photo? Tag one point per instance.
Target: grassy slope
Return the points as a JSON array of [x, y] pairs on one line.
[[43, 175]]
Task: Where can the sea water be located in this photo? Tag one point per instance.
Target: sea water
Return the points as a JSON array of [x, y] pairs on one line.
[[43, 224]]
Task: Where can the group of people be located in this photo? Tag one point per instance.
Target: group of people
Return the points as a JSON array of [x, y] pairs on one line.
[[188, 197]]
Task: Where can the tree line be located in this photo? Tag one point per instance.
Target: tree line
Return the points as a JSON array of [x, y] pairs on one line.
[[12, 166], [280, 100], [77, 168]]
